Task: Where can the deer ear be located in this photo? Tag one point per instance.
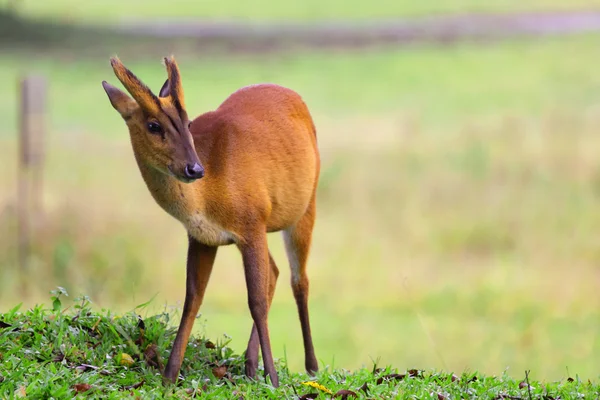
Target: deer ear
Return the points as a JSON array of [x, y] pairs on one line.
[[165, 90], [121, 102]]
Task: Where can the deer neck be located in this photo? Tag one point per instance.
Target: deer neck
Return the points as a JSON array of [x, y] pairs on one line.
[[176, 198]]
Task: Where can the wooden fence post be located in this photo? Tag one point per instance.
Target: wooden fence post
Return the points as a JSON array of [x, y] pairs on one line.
[[30, 167]]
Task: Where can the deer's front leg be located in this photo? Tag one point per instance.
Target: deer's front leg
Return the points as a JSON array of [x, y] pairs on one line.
[[200, 260]]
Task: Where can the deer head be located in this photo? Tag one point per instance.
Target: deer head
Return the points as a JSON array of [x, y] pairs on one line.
[[158, 126]]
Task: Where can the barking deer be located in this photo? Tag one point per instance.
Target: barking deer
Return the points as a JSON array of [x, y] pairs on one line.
[[230, 176]]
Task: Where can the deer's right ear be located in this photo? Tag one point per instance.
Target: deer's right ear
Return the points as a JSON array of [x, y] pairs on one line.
[[165, 90], [120, 100]]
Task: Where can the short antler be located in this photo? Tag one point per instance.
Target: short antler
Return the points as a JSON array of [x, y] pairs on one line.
[[138, 90], [173, 86]]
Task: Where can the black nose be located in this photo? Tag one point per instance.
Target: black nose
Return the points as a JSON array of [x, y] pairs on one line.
[[194, 171]]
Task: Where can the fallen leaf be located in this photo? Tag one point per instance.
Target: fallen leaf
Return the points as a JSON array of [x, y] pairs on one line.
[[4, 325], [441, 396], [141, 325], [20, 392], [309, 396], [389, 377], [126, 360], [454, 378], [415, 373], [81, 387], [523, 385], [85, 367], [365, 388], [219, 372], [345, 393], [569, 379], [209, 345], [152, 357], [135, 386]]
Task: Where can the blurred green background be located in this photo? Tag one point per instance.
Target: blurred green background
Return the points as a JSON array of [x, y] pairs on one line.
[[459, 202]]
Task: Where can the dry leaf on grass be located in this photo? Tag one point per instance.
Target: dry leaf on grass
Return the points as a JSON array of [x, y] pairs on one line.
[[308, 396], [391, 377], [344, 394], [135, 386], [81, 387], [152, 357], [219, 372], [365, 388]]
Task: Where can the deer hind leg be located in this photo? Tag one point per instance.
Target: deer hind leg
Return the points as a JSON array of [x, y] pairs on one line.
[[200, 261], [253, 343], [297, 244], [255, 254]]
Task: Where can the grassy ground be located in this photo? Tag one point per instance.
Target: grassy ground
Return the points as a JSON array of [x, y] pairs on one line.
[[459, 203], [59, 353], [263, 10]]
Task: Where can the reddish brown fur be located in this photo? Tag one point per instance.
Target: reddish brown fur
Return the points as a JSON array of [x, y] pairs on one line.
[[259, 152]]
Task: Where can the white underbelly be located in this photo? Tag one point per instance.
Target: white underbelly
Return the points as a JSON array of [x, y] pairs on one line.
[[207, 232]]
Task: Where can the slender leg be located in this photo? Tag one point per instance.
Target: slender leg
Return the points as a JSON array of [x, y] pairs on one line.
[[200, 261], [253, 344], [297, 244], [255, 254]]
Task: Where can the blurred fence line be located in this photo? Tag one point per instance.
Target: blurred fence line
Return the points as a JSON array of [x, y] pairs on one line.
[[30, 168], [440, 28], [17, 31]]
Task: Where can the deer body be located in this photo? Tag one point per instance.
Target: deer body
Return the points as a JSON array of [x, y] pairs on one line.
[[259, 148], [230, 176]]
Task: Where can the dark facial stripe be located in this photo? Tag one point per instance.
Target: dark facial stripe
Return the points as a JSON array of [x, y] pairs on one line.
[[177, 105], [176, 126]]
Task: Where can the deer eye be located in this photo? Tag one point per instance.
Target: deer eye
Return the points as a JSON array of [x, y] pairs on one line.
[[154, 127], [189, 124]]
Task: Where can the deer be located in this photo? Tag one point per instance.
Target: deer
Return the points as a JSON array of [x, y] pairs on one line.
[[230, 176]]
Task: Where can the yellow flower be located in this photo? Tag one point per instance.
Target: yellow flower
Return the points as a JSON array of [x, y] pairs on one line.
[[318, 386]]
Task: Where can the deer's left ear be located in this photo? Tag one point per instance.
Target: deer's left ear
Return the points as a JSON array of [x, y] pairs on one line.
[[121, 102]]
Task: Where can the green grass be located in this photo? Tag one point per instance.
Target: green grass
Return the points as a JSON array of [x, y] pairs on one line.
[[265, 10], [66, 352]]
